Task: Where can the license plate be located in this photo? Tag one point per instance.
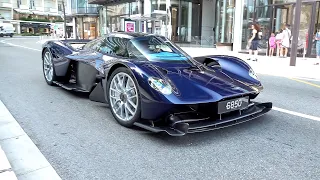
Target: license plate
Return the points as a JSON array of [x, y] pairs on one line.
[[232, 105]]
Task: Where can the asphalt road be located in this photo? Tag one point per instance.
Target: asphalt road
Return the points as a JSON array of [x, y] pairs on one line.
[[81, 139]]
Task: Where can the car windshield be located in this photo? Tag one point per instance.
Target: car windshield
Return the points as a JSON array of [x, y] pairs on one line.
[[154, 48]]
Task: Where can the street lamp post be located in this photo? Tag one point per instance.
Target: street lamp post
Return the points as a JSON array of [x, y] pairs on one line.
[[64, 18], [295, 33]]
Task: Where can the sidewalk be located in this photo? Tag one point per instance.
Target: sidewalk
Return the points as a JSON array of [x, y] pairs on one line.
[[6, 172], [26, 160]]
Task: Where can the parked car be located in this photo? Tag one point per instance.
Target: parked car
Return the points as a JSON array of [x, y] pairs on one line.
[[6, 29], [150, 82]]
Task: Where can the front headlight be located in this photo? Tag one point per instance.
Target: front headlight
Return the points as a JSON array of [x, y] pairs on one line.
[[253, 74], [160, 85]]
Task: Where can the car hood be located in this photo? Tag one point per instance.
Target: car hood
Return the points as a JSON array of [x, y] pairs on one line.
[[193, 85]]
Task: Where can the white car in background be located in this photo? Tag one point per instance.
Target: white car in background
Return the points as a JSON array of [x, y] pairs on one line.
[[6, 29]]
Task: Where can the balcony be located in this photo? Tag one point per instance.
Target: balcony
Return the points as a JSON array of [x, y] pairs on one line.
[[6, 4], [39, 8], [23, 7], [53, 10], [85, 10]]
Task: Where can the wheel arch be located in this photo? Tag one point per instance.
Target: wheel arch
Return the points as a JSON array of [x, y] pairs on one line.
[[113, 68], [43, 50]]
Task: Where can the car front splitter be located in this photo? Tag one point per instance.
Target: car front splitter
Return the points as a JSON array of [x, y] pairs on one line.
[[182, 127]]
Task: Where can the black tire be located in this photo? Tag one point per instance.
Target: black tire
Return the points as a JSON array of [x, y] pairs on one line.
[[11, 35], [54, 77], [137, 116]]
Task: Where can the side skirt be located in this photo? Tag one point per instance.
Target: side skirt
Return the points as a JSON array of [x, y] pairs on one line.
[[97, 94], [70, 87]]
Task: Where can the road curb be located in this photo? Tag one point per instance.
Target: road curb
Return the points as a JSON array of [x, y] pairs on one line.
[[27, 162], [6, 171]]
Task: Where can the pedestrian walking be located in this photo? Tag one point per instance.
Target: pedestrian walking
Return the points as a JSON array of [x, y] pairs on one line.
[[272, 44], [317, 39], [254, 41], [285, 41]]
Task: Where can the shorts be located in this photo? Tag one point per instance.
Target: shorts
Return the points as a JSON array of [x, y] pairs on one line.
[[254, 45], [273, 46]]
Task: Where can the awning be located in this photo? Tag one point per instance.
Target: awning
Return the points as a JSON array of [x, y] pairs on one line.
[[155, 15], [35, 25], [45, 13], [53, 14], [109, 2], [138, 17], [39, 13], [23, 11]]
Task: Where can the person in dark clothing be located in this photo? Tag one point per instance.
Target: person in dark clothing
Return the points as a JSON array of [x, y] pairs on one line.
[[254, 41]]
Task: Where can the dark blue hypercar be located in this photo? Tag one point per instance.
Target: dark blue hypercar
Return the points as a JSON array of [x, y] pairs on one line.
[[150, 82]]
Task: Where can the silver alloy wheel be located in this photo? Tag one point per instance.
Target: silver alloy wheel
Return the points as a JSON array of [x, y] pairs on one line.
[[47, 66], [123, 96]]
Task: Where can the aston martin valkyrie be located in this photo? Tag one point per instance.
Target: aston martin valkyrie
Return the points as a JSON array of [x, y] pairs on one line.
[[150, 82]]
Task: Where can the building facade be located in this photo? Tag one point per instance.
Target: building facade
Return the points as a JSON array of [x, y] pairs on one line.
[[31, 16], [271, 15], [85, 19], [209, 22]]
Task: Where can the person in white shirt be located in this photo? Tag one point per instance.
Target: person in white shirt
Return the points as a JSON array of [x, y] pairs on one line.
[[286, 40]]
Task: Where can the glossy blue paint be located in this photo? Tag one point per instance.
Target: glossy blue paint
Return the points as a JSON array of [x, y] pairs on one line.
[[191, 82], [236, 68]]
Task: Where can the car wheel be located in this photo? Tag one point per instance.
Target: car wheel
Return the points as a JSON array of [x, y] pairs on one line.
[[123, 97], [48, 69]]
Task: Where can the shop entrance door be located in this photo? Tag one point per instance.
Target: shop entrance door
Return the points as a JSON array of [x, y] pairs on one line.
[[281, 15], [117, 23]]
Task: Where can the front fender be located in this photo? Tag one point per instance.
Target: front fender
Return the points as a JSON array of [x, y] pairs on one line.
[[151, 100], [237, 69], [59, 52]]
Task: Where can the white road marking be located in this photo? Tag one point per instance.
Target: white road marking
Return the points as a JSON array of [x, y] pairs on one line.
[[22, 46], [297, 114], [3, 41], [307, 79]]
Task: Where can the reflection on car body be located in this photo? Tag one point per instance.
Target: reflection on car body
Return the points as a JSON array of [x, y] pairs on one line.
[[150, 82]]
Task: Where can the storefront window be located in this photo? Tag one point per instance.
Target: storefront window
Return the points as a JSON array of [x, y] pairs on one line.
[[186, 21], [158, 5], [316, 27], [134, 8], [87, 27], [225, 21], [103, 21], [283, 1]]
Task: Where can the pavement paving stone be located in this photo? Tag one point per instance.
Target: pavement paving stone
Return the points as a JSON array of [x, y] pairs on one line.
[[6, 172], [44, 173], [20, 151], [9, 175], [4, 163]]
